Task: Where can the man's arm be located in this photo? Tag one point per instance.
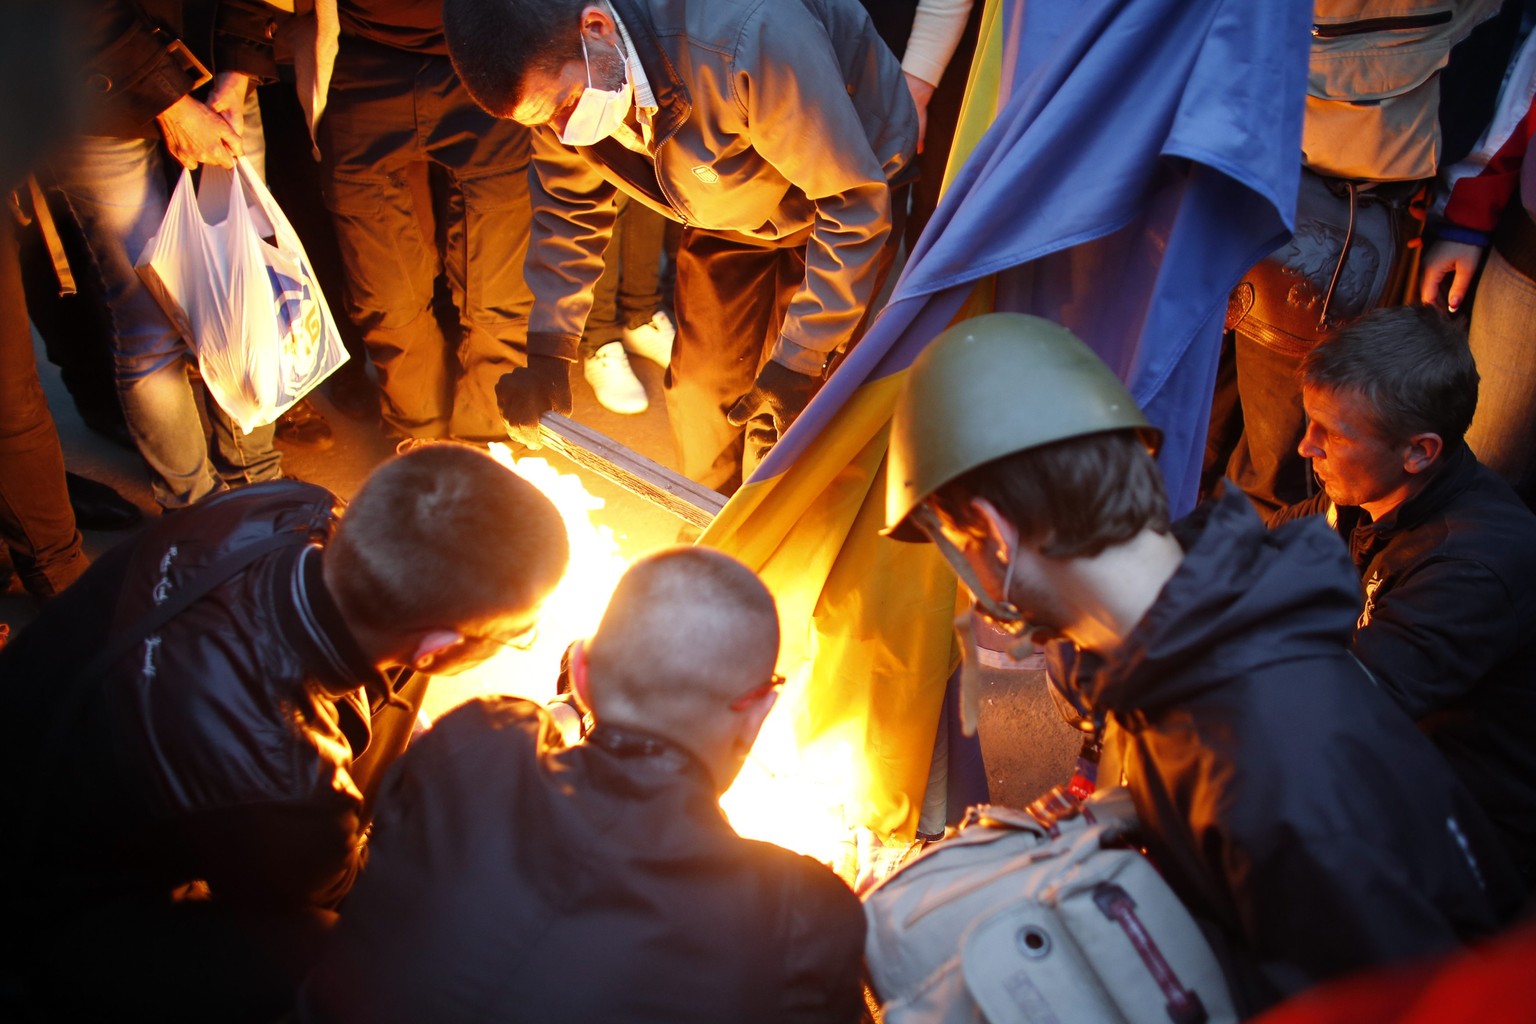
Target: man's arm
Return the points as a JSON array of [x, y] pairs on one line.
[[824, 979], [1316, 908], [1316, 505], [803, 121], [281, 853], [1437, 632], [573, 216]]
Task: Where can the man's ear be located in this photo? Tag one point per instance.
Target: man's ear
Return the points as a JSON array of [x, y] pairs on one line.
[[596, 20], [1422, 453], [1002, 534], [429, 645], [751, 717]]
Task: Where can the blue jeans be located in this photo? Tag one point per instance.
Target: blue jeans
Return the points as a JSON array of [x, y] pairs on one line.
[[117, 191]]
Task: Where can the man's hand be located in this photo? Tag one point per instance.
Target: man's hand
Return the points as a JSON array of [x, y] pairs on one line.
[[528, 392], [921, 92], [1454, 260], [227, 98], [196, 135], [785, 393]]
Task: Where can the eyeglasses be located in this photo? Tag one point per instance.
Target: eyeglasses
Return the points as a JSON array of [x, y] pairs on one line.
[[522, 640], [743, 702]]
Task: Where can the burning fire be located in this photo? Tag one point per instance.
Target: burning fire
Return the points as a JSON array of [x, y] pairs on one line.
[[786, 794], [571, 612]]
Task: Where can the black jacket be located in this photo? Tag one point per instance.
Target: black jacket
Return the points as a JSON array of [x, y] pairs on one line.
[[514, 880], [134, 68], [1287, 800], [1449, 629], [217, 750]]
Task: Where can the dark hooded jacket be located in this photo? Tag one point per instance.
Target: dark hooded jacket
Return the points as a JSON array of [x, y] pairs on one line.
[[513, 879], [1289, 802], [1449, 629]]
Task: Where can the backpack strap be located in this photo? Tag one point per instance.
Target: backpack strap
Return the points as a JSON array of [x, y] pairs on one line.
[[157, 617]]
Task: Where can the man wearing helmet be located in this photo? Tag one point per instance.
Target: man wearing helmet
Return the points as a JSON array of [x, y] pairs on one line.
[[1290, 804]]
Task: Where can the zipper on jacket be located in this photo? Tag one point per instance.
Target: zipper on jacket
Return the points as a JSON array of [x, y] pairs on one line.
[[1394, 24], [662, 185]]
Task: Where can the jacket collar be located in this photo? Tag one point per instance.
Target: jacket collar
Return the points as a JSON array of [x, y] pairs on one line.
[[1453, 476], [1243, 597], [673, 104], [310, 617], [629, 744]]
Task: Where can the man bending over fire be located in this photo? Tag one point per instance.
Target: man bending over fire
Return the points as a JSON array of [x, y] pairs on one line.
[[1291, 805], [203, 717], [517, 879]]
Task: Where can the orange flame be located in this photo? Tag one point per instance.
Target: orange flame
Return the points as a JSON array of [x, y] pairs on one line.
[[787, 793]]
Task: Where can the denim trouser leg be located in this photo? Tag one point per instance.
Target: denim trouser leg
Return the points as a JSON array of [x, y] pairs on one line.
[[1503, 431], [37, 525], [116, 190]]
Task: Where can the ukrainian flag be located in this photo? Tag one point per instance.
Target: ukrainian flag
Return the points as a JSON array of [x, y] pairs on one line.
[[1119, 164]]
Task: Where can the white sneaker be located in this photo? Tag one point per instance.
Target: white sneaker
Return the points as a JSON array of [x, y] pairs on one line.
[[653, 339], [612, 380]]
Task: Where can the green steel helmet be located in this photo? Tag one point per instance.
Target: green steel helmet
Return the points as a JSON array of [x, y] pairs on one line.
[[988, 387]]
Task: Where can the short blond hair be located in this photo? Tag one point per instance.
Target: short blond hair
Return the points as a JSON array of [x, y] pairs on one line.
[[445, 536]]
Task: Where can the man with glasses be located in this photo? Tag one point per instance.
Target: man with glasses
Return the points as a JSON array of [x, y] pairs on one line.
[[515, 878], [207, 714]]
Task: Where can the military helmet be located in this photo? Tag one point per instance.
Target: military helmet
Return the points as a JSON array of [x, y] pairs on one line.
[[988, 387]]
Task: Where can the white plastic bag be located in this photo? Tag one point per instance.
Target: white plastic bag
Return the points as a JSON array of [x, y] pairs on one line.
[[231, 274]]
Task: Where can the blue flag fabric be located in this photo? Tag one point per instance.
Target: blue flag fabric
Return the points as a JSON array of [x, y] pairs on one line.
[[1144, 155], [1120, 164]]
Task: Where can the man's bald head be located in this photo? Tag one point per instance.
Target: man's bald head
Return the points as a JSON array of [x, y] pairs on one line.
[[688, 631]]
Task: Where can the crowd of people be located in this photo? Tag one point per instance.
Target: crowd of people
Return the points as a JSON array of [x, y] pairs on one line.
[[1319, 690]]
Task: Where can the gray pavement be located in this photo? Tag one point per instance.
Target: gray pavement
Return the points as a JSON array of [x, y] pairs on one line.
[[1026, 746]]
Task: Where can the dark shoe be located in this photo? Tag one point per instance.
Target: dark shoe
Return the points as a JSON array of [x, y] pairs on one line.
[[99, 507], [355, 396], [302, 426]]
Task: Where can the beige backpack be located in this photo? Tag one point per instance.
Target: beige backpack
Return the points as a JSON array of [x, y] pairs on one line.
[[1013, 920]]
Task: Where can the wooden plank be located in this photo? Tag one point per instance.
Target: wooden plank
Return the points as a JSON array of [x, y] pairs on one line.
[[688, 501]]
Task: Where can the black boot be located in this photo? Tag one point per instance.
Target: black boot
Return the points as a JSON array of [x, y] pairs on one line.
[[99, 507]]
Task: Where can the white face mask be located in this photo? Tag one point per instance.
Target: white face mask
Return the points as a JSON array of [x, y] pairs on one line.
[[598, 112]]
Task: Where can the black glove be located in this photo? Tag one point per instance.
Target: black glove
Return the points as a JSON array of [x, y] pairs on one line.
[[528, 392], [785, 393]]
